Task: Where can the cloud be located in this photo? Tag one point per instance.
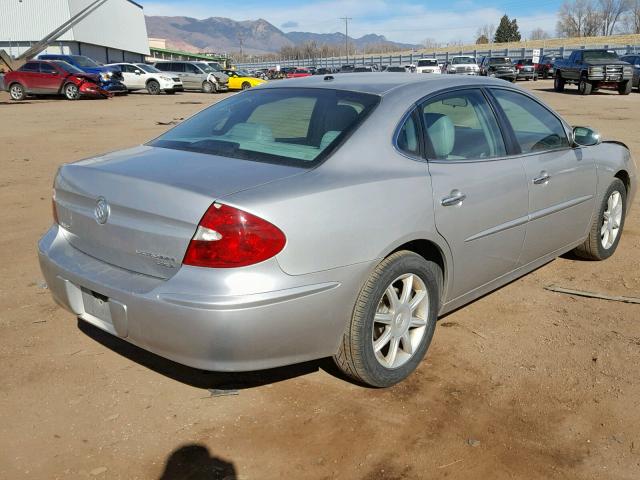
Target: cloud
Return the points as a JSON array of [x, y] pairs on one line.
[[398, 20], [290, 24]]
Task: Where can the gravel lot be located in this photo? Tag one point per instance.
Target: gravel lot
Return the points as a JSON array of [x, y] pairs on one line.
[[523, 383]]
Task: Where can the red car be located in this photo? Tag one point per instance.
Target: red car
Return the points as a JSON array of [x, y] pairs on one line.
[[299, 72], [52, 77]]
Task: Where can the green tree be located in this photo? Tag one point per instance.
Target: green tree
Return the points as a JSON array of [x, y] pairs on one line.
[[507, 31]]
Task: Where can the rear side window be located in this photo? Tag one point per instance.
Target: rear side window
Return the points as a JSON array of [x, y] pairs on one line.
[[292, 126], [408, 139], [462, 126], [30, 67], [536, 128]]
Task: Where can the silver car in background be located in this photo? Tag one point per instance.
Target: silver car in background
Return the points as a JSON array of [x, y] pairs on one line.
[[196, 75], [463, 65], [329, 216]]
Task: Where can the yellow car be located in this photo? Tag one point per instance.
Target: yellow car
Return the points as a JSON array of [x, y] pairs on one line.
[[239, 80]]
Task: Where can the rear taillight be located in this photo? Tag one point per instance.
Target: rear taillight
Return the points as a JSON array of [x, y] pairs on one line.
[[228, 237]]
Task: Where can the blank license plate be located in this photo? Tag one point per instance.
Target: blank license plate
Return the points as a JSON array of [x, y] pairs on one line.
[[96, 305]]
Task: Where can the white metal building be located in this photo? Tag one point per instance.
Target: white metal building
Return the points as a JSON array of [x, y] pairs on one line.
[[114, 32]]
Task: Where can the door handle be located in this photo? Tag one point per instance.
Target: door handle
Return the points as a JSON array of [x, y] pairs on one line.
[[455, 199], [542, 179]]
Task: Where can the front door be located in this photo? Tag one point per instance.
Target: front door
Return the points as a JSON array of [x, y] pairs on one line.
[[50, 79], [561, 180], [193, 77], [480, 194]]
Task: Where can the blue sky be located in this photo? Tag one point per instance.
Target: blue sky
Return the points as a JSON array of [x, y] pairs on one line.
[[399, 20]]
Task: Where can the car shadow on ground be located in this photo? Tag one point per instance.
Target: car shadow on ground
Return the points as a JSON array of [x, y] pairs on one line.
[[202, 378], [194, 462]]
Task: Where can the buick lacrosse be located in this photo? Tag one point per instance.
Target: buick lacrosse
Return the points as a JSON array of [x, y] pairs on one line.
[[329, 217]]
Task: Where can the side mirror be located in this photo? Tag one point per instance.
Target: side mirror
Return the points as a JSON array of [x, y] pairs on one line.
[[138, 72], [585, 137]]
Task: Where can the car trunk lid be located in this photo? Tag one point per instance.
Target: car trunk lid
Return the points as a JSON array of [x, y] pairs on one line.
[[154, 199]]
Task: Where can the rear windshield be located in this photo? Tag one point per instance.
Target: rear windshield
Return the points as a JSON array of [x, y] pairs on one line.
[[427, 63], [599, 55], [84, 61], [295, 126], [499, 60]]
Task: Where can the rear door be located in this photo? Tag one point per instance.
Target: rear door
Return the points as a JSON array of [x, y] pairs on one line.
[[480, 193], [561, 180], [30, 77]]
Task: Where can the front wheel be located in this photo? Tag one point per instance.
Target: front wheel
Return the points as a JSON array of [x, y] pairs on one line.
[[153, 87], [607, 226], [558, 83], [585, 87], [208, 87], [393, 321], [625, 87], [246, 86], [71, 91], [17, 92]]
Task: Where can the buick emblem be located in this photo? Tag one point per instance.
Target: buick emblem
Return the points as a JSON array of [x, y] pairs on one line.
[[102, 211]]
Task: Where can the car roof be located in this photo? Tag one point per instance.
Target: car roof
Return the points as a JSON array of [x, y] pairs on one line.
[[383, 84]]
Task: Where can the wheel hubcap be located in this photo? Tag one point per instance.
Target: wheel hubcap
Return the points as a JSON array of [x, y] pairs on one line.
[[612, 219], [16, 92], [400, 321], [71, 91]]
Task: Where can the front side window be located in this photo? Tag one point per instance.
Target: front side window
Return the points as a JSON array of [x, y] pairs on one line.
[[462, 126], [292, 126], [535, 128], [190, 68], [46, 68]]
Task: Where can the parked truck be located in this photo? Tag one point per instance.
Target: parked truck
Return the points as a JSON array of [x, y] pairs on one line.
[[592, 70]]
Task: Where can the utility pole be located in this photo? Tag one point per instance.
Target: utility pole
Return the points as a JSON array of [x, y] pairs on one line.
[[346, 34], [240, 40]]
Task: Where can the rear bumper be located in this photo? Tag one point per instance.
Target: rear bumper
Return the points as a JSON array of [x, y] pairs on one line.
[[215, 319], [527, 74]]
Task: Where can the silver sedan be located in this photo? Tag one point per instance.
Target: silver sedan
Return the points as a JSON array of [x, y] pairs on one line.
[[329, 216]]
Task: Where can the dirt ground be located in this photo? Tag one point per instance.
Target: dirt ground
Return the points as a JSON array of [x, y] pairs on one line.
[[523, 383]]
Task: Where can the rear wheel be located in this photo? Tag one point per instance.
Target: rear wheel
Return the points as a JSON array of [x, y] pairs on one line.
[[17, 92], [71, 91], [585, 87], [393, 321], [625, 87], [606, 229], [558, 83], [208, 87], [153, 87], [246, 85]]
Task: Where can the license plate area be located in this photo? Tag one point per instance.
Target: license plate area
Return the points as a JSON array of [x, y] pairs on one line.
[[96, 305]]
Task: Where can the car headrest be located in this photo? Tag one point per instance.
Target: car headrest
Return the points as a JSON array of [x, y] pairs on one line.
[[442, 133], [328, 137], [250, 131], [341, 118]]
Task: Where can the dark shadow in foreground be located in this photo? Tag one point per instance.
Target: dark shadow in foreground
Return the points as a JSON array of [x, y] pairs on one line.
[[202, 378], [193, 462]]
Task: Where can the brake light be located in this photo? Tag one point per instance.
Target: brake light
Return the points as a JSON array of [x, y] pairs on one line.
[[228, 237]]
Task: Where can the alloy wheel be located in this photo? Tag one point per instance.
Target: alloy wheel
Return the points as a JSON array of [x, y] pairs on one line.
[[612, 219], [400, 321], [16, 92]]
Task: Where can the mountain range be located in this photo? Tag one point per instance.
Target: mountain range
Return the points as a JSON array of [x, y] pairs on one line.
[[218, 34]]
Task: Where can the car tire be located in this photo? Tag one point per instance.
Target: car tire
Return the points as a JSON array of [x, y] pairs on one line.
[[71, 91], [17, 92], [559, 83], [608, 223], [246, 86], [208, 87], [625, 88], [585, 87], [382, 347], [153, 87]]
